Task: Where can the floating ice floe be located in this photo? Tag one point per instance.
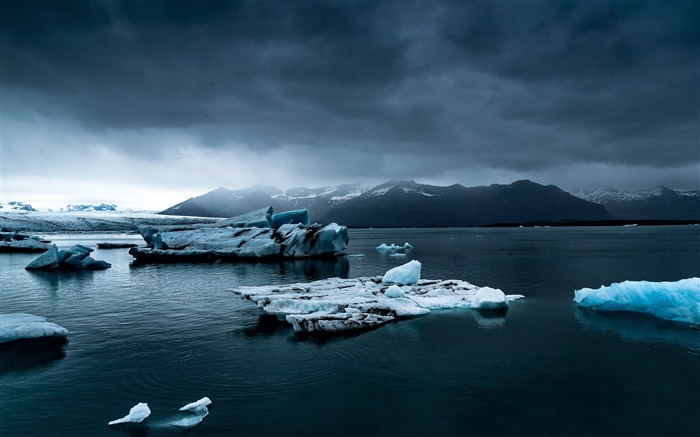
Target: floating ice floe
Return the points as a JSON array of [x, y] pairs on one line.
[[22, 326], [392, 247], [676, 301], [334, 305], [76, 257], [196, 412], [137, 414], [116, 245], [257, 234], [16, 242]]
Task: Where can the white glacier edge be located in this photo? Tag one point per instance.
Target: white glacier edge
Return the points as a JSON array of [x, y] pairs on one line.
[[676, 301]]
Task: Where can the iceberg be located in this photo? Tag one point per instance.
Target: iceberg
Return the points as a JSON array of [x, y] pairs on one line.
[[676, 301], [405, 274], [137, 414], [76, 257], [22, 326], [16, 242], [196, 412], [336, 305], [254, 235]]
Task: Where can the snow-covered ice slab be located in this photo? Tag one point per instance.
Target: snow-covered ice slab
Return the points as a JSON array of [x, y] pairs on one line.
[[137, 414], [335, 304], [676, 301], [22, 326], [17, 242], [76, 257]]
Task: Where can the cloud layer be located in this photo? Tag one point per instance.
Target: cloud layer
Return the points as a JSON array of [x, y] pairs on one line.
[[325, 92]]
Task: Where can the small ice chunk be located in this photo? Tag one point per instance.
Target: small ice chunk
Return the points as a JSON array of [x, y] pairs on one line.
[[405, 274], [394, 291], [385, 246], [407, 245], [197, 406], [136, 415], [487, 298], [195, 413], [398, 255]]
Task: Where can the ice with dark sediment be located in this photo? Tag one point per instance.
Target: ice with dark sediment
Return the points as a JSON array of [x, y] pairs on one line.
[[255, 235], [335, 305]]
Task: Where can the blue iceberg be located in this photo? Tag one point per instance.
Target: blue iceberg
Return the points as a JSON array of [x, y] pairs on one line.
[[676, 301]]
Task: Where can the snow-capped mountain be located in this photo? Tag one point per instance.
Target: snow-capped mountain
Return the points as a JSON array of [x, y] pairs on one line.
[[403, 203], [88, 208], [655, 203], [16, 206], [228, 203]]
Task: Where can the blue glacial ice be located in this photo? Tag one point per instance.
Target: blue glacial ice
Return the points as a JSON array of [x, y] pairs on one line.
[[676, 301]]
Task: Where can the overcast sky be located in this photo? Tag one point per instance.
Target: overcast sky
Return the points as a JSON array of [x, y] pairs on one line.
[[147, 103]]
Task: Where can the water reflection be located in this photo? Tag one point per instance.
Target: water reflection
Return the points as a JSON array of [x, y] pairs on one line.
[[20, 356], [639, 327], [490, 319], [53, 278]]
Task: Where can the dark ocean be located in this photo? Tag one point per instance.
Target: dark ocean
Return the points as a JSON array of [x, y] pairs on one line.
[[170, 334]]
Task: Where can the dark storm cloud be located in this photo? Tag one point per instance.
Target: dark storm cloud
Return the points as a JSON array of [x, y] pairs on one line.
[[516, 86]]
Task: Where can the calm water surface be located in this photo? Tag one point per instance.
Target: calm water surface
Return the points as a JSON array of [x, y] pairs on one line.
[[171, 334]]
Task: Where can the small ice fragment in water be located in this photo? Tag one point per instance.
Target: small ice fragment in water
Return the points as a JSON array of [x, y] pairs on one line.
[[136, 415]]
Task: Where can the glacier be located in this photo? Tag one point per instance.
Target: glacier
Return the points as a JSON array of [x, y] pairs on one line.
[[337, 305], [676, 301], [22, 326], [255, 235], [75, 257]]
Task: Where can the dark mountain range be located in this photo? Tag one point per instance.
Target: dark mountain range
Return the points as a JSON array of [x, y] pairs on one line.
[[403, 203], [659, 203], [410, 204]]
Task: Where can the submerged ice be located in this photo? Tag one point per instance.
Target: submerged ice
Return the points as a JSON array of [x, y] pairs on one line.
[[335, 304], [676, 301]]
